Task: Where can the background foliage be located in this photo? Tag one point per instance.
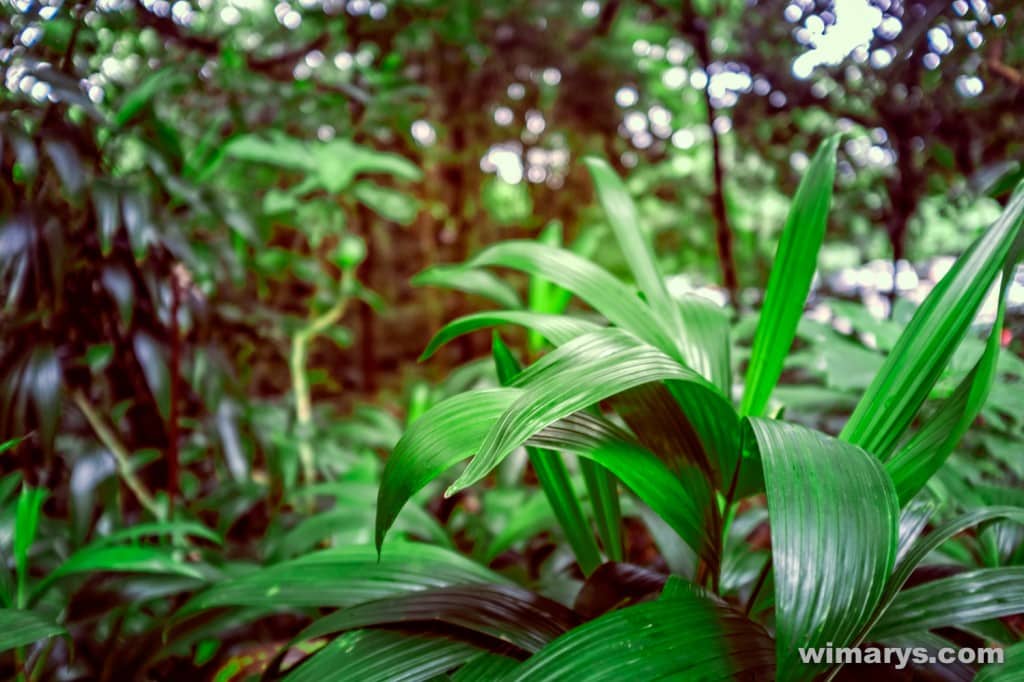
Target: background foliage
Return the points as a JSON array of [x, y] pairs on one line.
[[221, 230]]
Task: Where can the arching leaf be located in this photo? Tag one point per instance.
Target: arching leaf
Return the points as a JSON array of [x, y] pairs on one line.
[[834, 528]]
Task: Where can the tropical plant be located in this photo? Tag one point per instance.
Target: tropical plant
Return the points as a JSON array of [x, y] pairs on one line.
[[645, 394]]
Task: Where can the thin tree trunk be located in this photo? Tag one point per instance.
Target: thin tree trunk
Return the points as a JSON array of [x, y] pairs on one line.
[[696, 28]]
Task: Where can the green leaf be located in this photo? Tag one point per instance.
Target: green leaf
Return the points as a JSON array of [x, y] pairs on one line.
[[163, 528], [604, 499], [558, 329], [19, 628], [30, 504], [792, 271], [934, 333], [391, 204], [639, 469], [919, 551], [593, 285], [625, 224], [574, 376], [471, 281], [486, 667], [338, 161], [280, 151], [344, 577], [706, 344], [917, 461], [542, 295], [963, 598], [138, 98], [120, 559], [503, 612], [685, 636], [834, 528], [383, 656], [444, 435], [554, 478]]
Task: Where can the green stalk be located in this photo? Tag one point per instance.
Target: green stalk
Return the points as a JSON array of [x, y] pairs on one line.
[[554, 479], [120, 452], [604, 498], [300, 382]]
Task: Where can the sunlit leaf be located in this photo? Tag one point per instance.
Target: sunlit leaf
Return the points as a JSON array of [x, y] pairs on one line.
[[792, 271], [470, 280], [934, 333]]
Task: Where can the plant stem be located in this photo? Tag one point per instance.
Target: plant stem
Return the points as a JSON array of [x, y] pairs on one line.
[[300, 383], [761, 578], [119, 451]]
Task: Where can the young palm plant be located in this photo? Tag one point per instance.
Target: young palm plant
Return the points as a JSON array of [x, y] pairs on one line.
[[645, 398]]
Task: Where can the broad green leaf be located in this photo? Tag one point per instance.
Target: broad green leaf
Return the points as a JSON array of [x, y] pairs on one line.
[[120, 559], [280, 151], [553, 477], [343, 577], [339, 160], [685, 636], [382, 656], [792, 271], [924, 546], [558, 329], [706, 344], [503, 612], [471, 281], [963, 598], [834, 528], [444, 435], [639, 470], [593, 285], [917, 461], [19, 628], [571, 378], [934, 333], [636, 247]]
